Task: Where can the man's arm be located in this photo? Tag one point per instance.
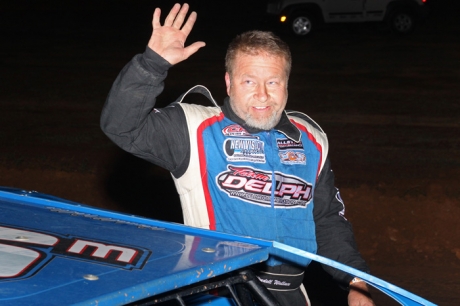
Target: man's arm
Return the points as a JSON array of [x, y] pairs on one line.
[[334, 233], [335, 236], [159, 136]]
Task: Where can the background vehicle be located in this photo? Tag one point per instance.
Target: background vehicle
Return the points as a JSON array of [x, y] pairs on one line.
[[304, 16]]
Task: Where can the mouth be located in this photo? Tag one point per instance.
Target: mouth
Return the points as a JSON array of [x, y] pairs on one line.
[[261, 108]]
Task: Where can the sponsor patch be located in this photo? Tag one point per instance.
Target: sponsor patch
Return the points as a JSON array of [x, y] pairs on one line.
[[339, 198], [293, 157], [235, 130], [256, 186], [244, 149], [287, 144]]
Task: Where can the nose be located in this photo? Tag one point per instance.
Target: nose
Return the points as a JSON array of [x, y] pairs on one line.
[[261, 93]]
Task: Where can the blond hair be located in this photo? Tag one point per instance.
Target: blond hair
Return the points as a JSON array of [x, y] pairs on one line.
[[254, 43]]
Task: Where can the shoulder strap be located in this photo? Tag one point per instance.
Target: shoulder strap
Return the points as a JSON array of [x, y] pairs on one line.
[[304, 117], [198, 89]]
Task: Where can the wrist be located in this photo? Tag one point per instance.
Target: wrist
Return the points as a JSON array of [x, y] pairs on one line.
[[154, 62], [356, 280], [357, 284]]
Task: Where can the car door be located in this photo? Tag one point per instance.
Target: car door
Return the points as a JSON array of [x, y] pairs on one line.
[[344, 10], [375, 9]]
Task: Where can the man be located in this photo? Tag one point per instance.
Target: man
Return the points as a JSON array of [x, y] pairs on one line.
[[247, 167]]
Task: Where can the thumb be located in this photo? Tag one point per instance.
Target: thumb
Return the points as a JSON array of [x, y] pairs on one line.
[[193, 48]]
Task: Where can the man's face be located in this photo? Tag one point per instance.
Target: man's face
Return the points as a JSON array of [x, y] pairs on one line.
[[258, 89]]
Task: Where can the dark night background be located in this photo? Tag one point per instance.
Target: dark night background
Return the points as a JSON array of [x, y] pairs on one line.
[[389, 104]]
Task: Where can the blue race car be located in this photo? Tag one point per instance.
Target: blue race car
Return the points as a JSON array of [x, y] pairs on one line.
[[57, 252]]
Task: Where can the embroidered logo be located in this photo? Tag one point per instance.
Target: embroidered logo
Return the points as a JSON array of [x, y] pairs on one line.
[[244, 149], [339, 198], [256, 186], [292, 157], [286, 144], [291, 152], [235, 130]]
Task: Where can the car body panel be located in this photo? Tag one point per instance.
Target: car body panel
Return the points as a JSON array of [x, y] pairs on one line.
[[345, 11], [55, 252]]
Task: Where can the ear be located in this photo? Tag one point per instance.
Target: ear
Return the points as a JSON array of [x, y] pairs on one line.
[[227, 82]]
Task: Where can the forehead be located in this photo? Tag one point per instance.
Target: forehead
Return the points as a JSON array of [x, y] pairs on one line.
[[261, 59]]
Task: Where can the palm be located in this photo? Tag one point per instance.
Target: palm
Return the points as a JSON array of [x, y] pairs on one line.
[[169, 40]]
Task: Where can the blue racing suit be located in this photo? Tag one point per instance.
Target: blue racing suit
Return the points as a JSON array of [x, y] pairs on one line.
[[275, 184]]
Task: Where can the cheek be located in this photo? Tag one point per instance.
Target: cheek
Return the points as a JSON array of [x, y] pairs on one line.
[[242, 94], [279, 96]]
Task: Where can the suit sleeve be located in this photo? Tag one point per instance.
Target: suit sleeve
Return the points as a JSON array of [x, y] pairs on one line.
[[334, 233], [129, 119]]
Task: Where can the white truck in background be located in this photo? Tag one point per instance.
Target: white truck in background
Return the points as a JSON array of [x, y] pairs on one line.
[[304, 16]]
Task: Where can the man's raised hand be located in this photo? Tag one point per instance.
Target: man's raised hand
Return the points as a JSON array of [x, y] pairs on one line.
[[168, 40]]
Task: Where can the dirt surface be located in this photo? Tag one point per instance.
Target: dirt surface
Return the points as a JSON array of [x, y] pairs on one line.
[[390, 106]]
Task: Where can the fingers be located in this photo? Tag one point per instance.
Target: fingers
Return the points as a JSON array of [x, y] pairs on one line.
[[156, 18], [189, 24], [176, 18], [181, 16], [172, 15]]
